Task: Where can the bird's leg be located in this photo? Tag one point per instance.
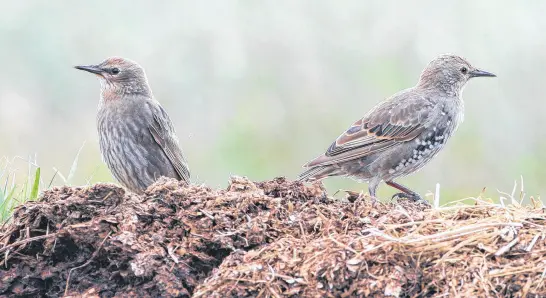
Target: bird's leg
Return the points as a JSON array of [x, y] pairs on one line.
[[372, 188], [406, 192]]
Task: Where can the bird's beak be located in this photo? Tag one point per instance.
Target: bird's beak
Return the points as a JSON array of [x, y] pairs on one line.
[[90, 68], [480, 73]]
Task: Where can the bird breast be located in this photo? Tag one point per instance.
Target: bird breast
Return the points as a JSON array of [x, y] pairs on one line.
[[413, 155]]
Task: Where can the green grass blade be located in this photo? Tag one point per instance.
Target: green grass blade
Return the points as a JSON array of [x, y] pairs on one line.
[[6, 206], [36, 185]]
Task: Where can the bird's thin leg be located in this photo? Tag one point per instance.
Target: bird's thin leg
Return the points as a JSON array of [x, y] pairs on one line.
[[406, 192], [372, 189]]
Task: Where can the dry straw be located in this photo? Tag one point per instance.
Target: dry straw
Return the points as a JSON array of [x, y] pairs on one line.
[[269, 239], [459, 250]]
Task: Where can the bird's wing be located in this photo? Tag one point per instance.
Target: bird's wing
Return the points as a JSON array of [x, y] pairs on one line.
[[163, 133], [399, 119]]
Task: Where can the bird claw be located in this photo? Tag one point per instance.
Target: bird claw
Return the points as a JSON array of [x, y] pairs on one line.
[[414, 197]]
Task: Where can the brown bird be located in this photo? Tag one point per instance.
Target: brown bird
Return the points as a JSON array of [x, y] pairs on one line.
[[136, 136], [403, 133]]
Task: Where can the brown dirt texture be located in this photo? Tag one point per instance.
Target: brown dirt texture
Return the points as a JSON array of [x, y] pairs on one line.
[[274, 238]]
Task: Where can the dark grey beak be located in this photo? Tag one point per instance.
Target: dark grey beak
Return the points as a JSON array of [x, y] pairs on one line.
[[480, 73], [90, 68]]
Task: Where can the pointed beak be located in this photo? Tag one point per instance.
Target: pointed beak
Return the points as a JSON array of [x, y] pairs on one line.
[[90, 68], [480, 73]]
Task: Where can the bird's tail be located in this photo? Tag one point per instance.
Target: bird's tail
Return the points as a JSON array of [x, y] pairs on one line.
[[317, 173]]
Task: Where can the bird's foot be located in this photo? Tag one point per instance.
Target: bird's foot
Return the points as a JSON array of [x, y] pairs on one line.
[[411, 196]]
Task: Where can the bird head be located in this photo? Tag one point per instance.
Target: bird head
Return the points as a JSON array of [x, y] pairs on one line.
[[450, 73], [119, 76]]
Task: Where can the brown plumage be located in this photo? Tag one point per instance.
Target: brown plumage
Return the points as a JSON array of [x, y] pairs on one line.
[[403, 133], [136, 136]]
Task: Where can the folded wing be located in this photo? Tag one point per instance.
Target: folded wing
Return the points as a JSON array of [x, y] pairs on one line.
[[162, 131], [389, 123]]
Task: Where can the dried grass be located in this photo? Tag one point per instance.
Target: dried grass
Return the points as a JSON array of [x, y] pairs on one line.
[[269, 239]]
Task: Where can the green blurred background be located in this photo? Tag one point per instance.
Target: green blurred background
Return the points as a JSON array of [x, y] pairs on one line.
[[258, 88]]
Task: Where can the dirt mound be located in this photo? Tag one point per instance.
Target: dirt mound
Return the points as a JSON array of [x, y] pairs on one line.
[[270, 239]]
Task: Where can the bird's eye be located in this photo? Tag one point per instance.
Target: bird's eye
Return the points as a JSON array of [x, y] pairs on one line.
[[464, 70], [114, 71]]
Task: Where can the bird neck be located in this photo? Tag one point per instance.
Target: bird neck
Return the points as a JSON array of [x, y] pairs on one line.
[[445, 87], [117, 91]]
